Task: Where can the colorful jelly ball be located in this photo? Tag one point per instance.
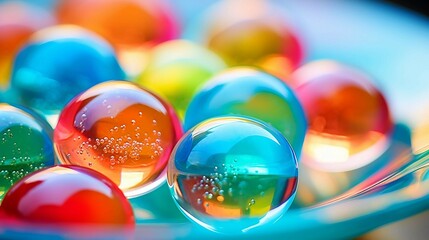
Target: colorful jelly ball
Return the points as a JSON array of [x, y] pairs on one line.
[[252, 33], [121, 131], [122, 22], [57, 64], [348, 117], [68, 195], [25, 145], [248, 92], [131, 26], [176, 69], [17, 22], [233, 174]]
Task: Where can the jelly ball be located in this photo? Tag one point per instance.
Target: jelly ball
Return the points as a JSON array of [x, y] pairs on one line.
[[122, 22], [252, 33], [17, 22], [57, 64], [248, 92], [131, 26], [25, 144], [176, 69], [68, 195], [120, 130], [232, 174], [348, 117]]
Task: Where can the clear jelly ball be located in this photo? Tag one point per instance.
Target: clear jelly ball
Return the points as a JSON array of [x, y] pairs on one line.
[[232, 174]]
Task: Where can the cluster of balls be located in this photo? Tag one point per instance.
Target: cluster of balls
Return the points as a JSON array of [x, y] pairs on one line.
[[224, 120]]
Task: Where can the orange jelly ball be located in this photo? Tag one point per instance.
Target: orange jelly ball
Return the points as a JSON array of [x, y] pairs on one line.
[[131, 26], [17, 22], [122, 22], [120, 130], [349, 120]]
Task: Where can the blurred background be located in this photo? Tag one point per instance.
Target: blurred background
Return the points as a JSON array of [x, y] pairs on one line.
[[405, 93]]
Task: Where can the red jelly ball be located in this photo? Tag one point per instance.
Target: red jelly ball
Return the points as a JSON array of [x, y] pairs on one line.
[[349, 119], [68, 195]]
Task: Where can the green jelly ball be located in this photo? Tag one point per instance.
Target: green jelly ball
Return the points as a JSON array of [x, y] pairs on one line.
[[25, 145]]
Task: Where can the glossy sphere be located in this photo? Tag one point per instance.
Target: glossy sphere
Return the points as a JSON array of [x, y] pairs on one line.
[[252, 33], [248, 92], [124, 23], [25, 145], [17, 22], [349, 120], [68, 194], [59, 63], [176, 69], [232, 174], [121, 131]]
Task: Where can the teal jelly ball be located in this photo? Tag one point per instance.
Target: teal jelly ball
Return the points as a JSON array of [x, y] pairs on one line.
[[248, 92], [231, 174], [57, 64]]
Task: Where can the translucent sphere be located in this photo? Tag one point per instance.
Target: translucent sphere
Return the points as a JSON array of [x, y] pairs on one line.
[[349, 120], [249, 92], [233, 174], [68, 195], [255, 33], [25, 145], [131, 26], [122, 22], [176, 69], [18, 21], [120, 130], [58, 63]]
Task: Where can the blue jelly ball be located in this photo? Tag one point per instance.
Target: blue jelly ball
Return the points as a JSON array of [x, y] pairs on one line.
[[231, 174], [25, 144], [249, 92], [58, 63]]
